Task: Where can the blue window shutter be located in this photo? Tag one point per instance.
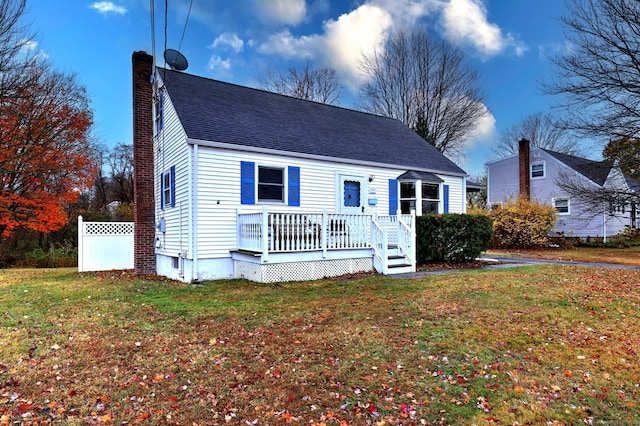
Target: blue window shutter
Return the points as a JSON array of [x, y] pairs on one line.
[[172, 179], [161, 191], [393, 197], [294, 185], [445, 198], [247, 182]]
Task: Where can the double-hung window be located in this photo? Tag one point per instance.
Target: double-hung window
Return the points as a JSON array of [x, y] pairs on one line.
[[561, 205], [408, 197], [159, 110], [537, 170], [168, 188], [430, 197], [269, 184]]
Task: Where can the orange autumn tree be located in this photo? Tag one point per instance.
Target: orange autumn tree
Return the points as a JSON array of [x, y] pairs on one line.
[[45, 154]]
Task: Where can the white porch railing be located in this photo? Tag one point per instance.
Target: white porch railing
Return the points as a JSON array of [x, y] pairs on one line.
[[270, 232]]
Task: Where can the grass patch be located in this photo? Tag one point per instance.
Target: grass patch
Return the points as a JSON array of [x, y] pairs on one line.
[[534, 344]]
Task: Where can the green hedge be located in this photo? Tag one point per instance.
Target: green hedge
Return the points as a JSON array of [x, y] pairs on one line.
[[452, 238]]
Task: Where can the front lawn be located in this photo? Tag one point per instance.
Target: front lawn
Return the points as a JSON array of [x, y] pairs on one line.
[[533, 345]]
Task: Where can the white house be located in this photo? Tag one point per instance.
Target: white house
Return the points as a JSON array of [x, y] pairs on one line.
[[535, 174], [259, 185]]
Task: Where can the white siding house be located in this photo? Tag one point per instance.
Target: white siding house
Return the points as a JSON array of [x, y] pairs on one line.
[[271, 188], [545, 169]]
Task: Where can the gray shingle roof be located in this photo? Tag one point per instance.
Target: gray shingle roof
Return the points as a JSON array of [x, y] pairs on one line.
[[212, 110], [597, 171]]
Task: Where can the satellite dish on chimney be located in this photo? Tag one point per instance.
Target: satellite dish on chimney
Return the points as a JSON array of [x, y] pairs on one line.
[[176, 60]]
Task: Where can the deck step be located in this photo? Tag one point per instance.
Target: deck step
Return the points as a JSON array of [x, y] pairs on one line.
[[400, 268]]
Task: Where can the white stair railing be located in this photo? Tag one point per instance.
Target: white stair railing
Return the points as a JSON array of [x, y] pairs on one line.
[[380, 245]]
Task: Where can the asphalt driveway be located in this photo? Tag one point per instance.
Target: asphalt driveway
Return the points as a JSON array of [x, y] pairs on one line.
[[500, 262]]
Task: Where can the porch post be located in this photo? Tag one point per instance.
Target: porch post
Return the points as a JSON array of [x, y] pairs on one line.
[[265, 234], [80, 245], [324, 233], [414, 245], [239, 242]]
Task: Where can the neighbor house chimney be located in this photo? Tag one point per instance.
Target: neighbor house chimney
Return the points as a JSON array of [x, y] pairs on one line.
[[144, 256], [525, 177]]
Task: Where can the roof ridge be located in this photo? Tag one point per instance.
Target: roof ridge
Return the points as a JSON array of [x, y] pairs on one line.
[[321, 104]]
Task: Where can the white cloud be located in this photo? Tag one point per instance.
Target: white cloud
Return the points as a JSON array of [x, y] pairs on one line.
[[365, 29], [465, 22], [477, 149], [217, 64], [341, 46], [228, 39], [289, 12], [28, 45], [284, 43], [353, 35], [106, 7]]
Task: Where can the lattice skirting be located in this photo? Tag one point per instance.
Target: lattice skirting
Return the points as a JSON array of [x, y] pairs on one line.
[[300, 271]]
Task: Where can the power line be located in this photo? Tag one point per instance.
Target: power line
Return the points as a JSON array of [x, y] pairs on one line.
[[153, 28], [184, 30]]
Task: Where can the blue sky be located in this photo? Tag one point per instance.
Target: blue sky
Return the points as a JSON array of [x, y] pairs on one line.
[[507, 41]]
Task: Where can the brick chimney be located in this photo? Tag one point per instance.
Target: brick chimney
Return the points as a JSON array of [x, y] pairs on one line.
[[144, 256], [523, 162]]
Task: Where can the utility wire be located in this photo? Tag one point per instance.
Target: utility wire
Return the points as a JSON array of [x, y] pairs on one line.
[[184, 30], [166, 13], [153, 28]]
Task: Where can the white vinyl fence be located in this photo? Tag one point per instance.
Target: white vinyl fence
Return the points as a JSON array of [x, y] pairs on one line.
[[103, 246]]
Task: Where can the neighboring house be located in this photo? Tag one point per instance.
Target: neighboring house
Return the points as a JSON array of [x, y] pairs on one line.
[[535, 173], [259, 185]]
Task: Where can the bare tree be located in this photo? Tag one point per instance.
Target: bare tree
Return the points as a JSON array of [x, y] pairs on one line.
[[426, 84], [314, 84], [626, 152], [596, 199], [599, 75], [541, 131], [599, 81], [121, 163], [16, 55]]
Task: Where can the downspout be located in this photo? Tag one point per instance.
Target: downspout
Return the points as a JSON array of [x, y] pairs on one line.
[[604, 223], [193, 218], [464, 195]]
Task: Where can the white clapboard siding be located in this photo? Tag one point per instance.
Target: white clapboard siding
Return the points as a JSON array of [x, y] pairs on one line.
[[171, 149], [218, 191]]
